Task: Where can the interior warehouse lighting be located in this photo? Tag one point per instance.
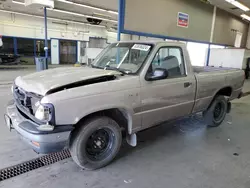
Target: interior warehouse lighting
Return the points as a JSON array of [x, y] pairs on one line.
[[238, 4], [77, 4], [82, 15], [245, 17], [49, 18], [18, 2], [88, 6]]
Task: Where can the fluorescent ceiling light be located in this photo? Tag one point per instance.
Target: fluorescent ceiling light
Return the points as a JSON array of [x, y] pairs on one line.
[[81, 15], [77, 4], [238, 4], [49, 18], [112, 12], [20, 13], [88, 6], [245, 17], [18, 2]]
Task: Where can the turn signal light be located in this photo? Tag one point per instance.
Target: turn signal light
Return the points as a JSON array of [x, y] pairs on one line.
[[35, 143]]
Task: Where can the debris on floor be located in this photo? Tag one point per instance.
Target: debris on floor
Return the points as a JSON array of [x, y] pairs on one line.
[[128, 181], [236, 154]]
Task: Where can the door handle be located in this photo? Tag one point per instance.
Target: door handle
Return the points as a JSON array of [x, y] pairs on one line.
[[187, 84]]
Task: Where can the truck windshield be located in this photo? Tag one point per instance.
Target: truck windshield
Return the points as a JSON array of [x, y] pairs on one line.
[[124, 57]]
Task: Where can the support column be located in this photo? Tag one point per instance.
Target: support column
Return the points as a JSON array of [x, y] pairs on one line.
[[119, 27], [46, 37], [248, 38], [213, 24], [208, 55], [211, 34], [78, 49]]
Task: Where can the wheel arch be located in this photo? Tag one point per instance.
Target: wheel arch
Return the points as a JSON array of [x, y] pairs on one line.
[[225, 91], [121, 115]]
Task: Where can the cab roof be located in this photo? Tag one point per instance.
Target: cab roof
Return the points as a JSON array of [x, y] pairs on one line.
[[153, 42]]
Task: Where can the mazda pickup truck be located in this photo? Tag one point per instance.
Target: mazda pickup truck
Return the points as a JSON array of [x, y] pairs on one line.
[[131, 86]]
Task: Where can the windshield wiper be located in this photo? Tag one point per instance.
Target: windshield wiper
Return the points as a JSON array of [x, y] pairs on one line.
[[115, 68], [109, 68], [97, 67]]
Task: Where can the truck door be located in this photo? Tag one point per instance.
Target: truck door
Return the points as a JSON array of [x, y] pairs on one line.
[[171, 97]]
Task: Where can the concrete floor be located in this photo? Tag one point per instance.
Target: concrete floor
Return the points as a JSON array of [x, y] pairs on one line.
[[184, 154]]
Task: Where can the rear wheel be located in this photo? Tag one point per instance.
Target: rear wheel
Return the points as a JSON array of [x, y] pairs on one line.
[[95, 143], [216, 113]]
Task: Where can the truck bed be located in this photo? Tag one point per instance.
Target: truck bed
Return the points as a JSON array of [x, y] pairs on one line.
[[210, 79]]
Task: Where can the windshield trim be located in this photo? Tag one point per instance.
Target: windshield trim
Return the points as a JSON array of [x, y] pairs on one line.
[[117, 43]]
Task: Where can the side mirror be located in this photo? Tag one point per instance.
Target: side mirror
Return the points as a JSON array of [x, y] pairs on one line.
[[158, 74]]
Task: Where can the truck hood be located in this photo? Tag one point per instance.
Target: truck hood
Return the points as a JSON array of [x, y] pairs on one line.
[[44, 81]]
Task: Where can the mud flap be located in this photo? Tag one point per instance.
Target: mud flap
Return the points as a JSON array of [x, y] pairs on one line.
[[131, 139], [208, 116], [229, 105]]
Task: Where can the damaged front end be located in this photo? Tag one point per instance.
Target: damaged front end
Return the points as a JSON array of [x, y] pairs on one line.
[[28, 104], [100, 79]]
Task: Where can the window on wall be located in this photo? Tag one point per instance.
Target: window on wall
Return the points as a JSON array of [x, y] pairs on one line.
[[25, 47], [217, 46], [97, 43], [40, 44], [197, 53], [8, 45]]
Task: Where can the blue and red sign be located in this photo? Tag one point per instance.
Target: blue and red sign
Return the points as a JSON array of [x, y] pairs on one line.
[[182, 20]]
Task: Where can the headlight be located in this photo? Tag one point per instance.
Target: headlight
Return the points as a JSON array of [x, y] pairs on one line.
[[44, 112]]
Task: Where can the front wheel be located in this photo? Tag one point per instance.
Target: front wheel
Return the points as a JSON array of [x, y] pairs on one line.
[[95, 143], [216, 113]]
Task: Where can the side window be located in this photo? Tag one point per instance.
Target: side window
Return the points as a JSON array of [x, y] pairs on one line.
[[171, 59]]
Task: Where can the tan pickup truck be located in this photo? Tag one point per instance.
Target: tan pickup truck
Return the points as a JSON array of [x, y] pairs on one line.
[[129, 87]]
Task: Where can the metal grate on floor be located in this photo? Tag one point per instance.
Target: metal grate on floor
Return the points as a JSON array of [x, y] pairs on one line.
[[33, 164]]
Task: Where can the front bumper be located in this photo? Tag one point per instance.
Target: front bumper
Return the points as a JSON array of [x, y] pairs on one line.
[[41, 142]]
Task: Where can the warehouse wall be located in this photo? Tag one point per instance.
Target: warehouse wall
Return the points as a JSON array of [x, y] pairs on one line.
[[224, 24], [160, 17]]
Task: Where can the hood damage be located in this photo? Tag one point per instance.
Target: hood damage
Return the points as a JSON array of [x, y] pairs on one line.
[[100, 79]]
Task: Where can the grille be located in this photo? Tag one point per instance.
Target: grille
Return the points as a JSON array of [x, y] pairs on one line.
[[33, 164], [26, 100]]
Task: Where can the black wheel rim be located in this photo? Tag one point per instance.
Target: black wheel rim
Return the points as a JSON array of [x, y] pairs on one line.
[[100, 144], [218, 111]]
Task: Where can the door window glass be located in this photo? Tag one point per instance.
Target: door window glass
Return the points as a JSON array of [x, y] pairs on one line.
[[171, 59]]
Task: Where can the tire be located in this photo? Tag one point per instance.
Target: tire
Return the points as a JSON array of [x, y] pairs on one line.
[[217, 111], [95, 143]]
